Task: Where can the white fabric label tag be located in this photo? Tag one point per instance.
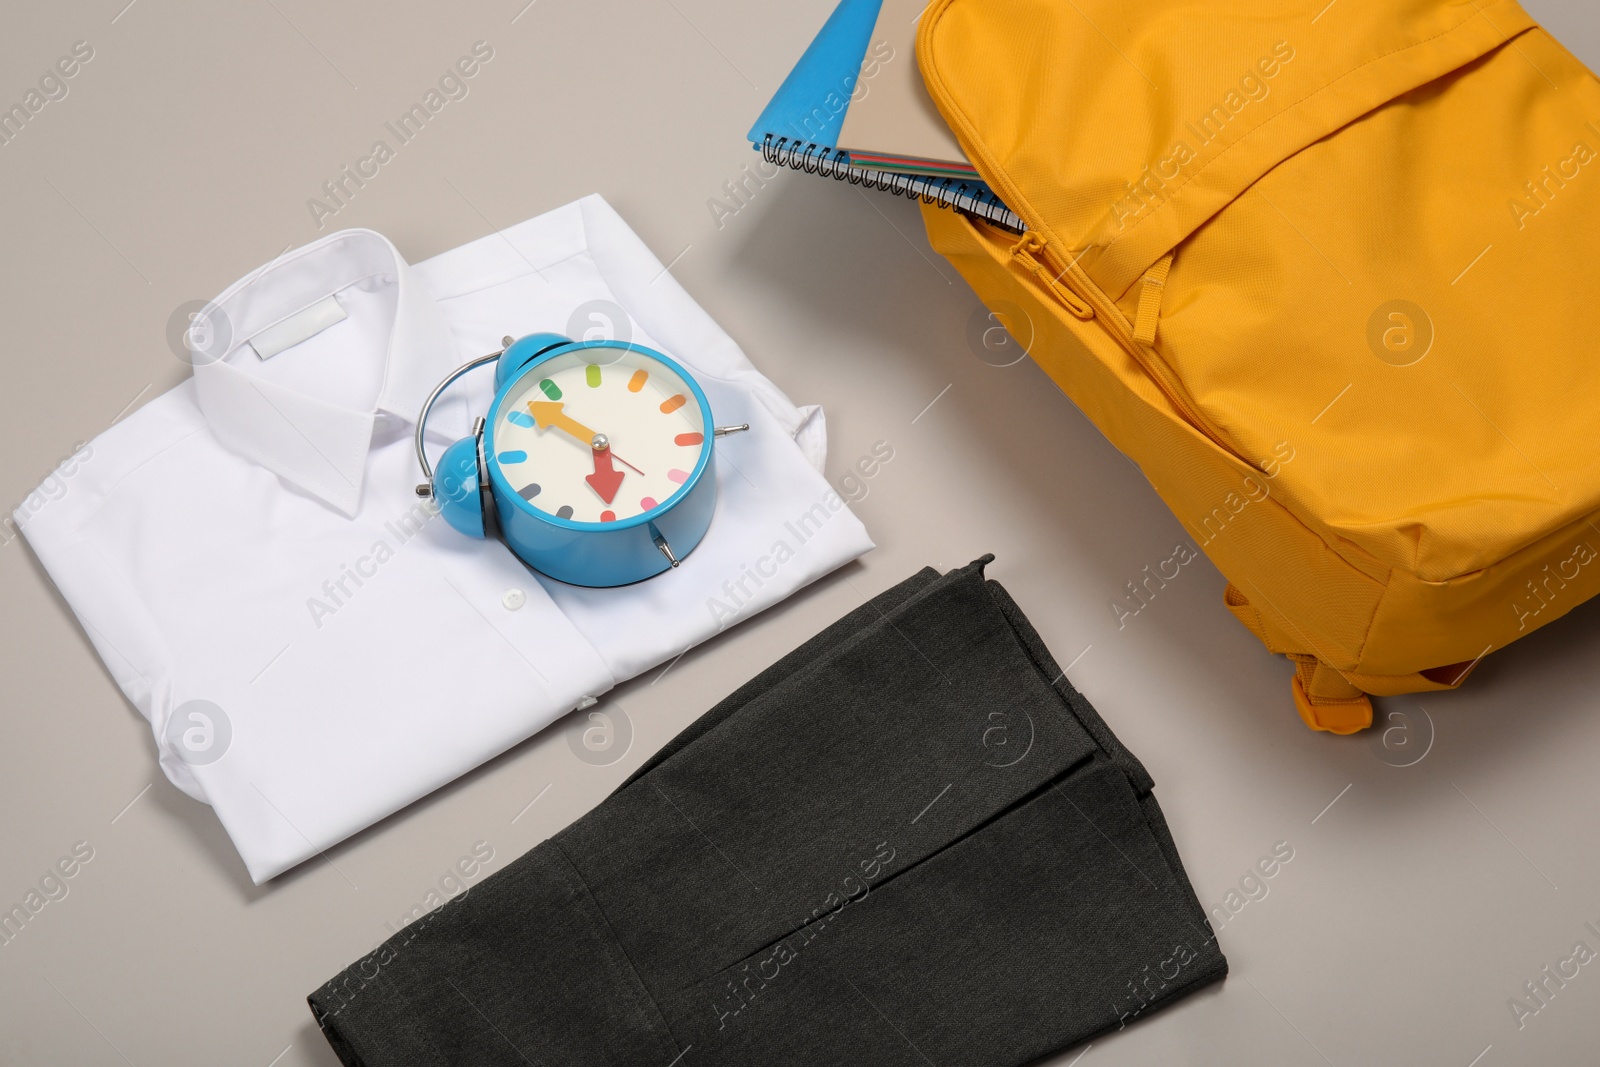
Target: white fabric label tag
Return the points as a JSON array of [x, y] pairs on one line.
[[296, 328]]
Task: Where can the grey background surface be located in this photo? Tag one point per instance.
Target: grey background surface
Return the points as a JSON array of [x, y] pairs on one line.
[[1419, 899]]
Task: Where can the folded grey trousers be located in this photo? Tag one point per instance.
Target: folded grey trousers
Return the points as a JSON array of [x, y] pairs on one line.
[[909, 842]]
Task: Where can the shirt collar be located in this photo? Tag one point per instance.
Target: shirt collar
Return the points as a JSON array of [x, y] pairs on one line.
[[307, 434]]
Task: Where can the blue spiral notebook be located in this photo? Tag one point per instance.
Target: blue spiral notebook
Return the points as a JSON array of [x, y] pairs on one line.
[[800, 126]]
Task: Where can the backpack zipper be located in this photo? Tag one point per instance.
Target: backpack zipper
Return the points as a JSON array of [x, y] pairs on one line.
[[1024, 251], [1034, 253]]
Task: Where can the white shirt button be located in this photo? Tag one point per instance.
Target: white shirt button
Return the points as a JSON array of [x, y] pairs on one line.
[[513, 599]]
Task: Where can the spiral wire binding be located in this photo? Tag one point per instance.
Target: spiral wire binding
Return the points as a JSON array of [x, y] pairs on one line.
[[947, 192]]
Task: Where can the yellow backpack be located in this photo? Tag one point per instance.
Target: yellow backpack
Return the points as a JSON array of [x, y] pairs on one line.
[[1326, 270]]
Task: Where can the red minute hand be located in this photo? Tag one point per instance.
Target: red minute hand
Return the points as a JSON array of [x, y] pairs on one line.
[[606, 479]]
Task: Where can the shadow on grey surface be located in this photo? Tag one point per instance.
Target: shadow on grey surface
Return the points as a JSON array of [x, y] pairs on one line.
[[1543, 685], [1110, 1039], [317, 1050]]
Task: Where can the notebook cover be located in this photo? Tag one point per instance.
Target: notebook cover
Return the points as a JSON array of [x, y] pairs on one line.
[[811, 104], [799, 128], [897, 118]]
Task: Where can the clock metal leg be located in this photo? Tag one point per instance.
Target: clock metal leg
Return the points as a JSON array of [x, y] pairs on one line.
[[666, 549]]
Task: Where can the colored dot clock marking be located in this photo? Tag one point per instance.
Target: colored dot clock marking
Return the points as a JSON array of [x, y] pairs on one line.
[[551, 422]]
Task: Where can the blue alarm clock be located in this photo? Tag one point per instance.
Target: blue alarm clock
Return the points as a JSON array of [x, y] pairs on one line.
[[595, 465]]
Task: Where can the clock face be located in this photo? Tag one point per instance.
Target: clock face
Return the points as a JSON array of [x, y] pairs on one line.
[[598, 434]]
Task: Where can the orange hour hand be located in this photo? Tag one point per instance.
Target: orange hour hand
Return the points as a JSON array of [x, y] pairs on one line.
[[548, 413]]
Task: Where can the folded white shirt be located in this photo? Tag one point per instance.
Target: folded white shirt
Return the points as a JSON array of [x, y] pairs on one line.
[[313, 647]]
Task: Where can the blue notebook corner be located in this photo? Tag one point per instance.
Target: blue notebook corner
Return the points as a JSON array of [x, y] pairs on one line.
[[799, 128], [810, 105]]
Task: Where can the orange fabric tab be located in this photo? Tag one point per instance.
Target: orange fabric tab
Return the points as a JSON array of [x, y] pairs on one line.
[[1155, 284]]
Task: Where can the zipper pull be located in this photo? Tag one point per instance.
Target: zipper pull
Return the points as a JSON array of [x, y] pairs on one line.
[[1027, 252]]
